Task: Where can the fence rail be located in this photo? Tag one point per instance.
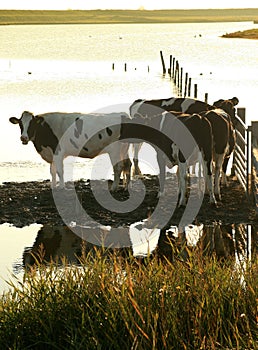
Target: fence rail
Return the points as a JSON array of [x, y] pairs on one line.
[[241, 158]]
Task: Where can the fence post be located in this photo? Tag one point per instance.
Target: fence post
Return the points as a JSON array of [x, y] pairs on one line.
[[173, 67], [163, 63], [195, 90], [254, 161], [170, 66], [189, 87], [186, 81], [181, 81]]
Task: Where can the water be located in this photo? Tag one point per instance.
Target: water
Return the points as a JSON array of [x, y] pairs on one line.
[[69, 68], [19, 246]]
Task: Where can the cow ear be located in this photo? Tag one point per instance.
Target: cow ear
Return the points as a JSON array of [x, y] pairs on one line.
[[14, 120]]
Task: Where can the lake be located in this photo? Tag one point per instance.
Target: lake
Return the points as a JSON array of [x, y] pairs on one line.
[[69, 68]]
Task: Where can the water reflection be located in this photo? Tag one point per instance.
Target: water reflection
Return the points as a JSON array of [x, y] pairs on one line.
[[239, 241]]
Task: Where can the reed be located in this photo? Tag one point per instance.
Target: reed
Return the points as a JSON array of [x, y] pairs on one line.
[[111, 302]]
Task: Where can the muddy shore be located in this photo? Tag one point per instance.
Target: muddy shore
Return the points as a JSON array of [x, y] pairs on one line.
[[25, 203]]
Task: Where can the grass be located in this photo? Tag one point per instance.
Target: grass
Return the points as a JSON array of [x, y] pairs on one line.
[[113, 303], [125, 16]]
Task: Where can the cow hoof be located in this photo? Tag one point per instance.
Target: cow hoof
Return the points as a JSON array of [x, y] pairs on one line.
[[218, 197], [214, 204]]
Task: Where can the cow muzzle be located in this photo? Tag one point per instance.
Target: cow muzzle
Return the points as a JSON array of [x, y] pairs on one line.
[[24, 140]]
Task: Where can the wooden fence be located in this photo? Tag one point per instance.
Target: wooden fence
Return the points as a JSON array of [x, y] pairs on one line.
[[254, 163], [241, 158]]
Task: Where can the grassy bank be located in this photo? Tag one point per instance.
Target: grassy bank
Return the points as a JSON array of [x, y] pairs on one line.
[[125, 16], [198, 304], [245, 34]]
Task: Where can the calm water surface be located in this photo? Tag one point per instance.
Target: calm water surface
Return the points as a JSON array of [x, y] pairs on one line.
[[69, 68]]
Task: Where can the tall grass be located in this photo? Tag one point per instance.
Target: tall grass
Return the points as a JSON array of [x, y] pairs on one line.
[[114, 303]]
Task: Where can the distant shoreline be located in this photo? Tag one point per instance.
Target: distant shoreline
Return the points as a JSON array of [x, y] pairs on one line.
[[25, 17], [245, 34]]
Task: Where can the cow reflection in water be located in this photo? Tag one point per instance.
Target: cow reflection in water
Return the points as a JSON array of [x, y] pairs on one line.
[[222, 241], [57, 242]]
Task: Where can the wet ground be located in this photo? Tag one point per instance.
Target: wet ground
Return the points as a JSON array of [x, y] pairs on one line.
[[32, 202]]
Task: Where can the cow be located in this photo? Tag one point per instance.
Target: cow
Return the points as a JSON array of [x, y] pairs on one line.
[[149, 108], [58, 135], [167, 133], [224, 140]]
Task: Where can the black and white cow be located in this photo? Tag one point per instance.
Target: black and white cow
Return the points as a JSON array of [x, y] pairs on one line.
[[58, 135], [182, 139], [223, 144]]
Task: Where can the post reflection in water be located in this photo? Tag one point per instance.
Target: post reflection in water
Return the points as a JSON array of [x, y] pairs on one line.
[[238, 241]]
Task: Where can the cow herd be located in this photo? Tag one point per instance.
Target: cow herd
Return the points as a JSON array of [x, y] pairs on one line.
[[183, 131]]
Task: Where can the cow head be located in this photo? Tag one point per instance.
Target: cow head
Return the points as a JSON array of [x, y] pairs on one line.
[[227, 105], [25, 126]]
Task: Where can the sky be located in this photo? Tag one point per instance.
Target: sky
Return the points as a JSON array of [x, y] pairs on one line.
[[120, 4]]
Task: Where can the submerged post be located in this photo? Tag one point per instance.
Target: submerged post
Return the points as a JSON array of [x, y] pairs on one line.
[[181, 81], [163, 63], [170, 66], [189, 87], [173, 67], [195, 91], [186, 82]]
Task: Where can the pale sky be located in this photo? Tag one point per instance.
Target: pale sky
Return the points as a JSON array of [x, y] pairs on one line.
[[120, 4]]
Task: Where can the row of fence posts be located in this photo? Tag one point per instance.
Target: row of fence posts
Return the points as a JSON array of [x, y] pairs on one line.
[[125, 67], [176, 74]]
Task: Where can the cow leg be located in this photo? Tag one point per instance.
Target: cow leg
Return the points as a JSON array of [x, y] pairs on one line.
[[118, 168], [224, 171], [119, 158], [137, 171], [209, 185], [58, 163], [218, 166], [182, 179], [162, 172], [53, 174], [127, 164], [199, 177]]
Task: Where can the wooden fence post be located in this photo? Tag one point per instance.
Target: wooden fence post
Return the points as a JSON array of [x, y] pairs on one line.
[[181, 81], [186, 82], [173, 67], [195, 91], [170, 66], [163, 63], [189, 87]]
